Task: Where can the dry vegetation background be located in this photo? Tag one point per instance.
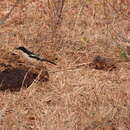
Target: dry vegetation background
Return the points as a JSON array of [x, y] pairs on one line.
[[70, 33]]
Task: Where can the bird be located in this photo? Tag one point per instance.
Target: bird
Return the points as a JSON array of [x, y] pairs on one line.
[[31, 57]]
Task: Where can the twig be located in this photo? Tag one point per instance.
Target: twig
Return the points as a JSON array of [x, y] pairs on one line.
[[72, 68]]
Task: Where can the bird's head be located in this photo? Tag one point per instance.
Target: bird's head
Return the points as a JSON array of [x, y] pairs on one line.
[[20, 48]]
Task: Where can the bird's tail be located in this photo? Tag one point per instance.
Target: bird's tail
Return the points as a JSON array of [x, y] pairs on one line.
[[48, 61]]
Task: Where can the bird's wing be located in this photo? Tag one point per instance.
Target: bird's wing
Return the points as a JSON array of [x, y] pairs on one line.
[[34, 56], [40, 59]]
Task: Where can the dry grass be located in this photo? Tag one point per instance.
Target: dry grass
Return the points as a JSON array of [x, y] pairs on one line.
[[75, 99]]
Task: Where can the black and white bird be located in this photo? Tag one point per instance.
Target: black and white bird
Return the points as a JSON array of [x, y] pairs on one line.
[[31, 57]]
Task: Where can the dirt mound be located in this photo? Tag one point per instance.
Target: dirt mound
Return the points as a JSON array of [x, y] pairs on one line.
[[14, 74]]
